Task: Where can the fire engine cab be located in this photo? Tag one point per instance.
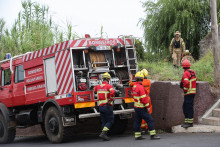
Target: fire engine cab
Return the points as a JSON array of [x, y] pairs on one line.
[[53, 86]]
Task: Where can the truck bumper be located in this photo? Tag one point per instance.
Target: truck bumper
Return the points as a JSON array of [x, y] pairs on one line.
[[96, 114]]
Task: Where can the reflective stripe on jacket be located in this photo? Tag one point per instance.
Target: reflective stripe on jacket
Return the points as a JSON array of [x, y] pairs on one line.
[[139, 95], [105, 93], [189, 82], [147, 84]]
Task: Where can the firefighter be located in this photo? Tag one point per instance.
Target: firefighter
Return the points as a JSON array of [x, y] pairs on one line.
[[105, 94], [177, 46], [141, 104], [188, 56], [188, 83], [147, 84]]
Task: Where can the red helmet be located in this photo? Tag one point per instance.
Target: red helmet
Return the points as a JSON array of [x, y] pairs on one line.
[[186, 63]]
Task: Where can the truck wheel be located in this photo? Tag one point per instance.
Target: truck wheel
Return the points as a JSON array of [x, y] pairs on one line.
[[119, 126], [53, 125], [43, 128], [7, 135]]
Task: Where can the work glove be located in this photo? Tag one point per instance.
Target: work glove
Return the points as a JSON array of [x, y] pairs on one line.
[[148, 107]]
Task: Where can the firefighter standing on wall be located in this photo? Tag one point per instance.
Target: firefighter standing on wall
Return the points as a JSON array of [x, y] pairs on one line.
[[147, 84], [177, 45], [105, 94], [188, 83], [141, 104]]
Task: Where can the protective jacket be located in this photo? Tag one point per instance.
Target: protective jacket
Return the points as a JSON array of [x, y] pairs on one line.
[[177, 44], [189, 82], [147, 84], [139, 95], [105, 93]]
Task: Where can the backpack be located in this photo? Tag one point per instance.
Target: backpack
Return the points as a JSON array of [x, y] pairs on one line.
[[192, 74]]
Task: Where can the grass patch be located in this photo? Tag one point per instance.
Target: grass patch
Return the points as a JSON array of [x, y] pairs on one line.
[[164, 71]]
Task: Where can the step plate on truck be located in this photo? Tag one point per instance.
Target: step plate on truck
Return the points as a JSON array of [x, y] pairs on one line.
[[116, 112]]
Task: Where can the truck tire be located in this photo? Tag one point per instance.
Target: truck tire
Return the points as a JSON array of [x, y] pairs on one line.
[[7, 135], [119, 126], [43, 128], [53, 125]]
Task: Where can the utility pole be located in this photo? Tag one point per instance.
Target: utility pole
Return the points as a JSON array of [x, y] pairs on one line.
[[215, 43]]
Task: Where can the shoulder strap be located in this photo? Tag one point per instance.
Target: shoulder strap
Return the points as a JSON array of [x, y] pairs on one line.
[[192, 74]]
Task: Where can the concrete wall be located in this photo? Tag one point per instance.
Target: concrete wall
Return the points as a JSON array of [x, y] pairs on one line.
[[167, 99]]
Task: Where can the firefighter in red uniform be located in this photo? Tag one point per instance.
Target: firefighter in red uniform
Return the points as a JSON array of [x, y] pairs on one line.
[[188, 83], [147, 84], [141, 104], [105, 94]]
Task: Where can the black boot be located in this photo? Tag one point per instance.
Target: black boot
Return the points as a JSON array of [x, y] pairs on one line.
[[139, 138], [154, 137], [104, 136], [190, 124], [187, 125], [144, 131], [183, 124]]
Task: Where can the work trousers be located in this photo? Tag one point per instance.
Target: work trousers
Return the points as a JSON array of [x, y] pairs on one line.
[[142, 113], [188, 107], [176, 56], [107, 116]]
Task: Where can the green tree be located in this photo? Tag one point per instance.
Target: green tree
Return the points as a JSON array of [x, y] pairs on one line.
[[139, 49], [164, 17]]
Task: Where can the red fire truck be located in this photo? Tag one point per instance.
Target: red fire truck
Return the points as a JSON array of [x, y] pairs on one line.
[[53, 86]]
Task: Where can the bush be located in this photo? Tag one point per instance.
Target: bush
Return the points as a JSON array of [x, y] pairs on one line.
[[164, 71], [205, 68]]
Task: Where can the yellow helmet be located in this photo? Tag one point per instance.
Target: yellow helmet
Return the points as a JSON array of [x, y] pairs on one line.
[[139, 75], [106, 76], [145, 72]]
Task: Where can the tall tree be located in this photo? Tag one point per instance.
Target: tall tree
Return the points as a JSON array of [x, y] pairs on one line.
[[139, 49], [215, 43], [164, 17]]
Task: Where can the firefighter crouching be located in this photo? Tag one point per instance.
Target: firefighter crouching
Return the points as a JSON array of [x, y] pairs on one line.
[[141, 104], [105, 94], [147, 84], [188, 83], [188, 56]]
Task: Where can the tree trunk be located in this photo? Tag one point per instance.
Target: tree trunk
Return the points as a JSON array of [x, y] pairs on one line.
[[215, 43]]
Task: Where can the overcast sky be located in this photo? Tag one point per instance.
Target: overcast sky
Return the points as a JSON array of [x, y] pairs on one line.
[[118, 17]]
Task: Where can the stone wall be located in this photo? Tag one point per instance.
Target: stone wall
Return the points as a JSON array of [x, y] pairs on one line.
[[167, 99], [205, 43]]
